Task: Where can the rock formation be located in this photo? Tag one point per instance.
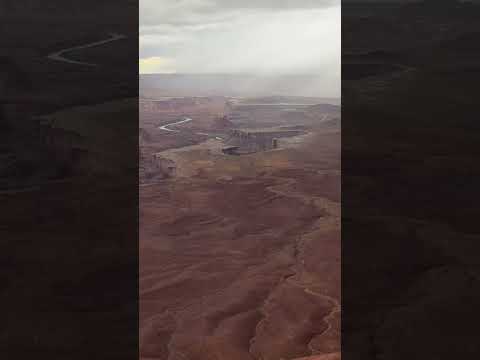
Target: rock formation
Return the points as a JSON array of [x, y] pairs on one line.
[[246, 142]]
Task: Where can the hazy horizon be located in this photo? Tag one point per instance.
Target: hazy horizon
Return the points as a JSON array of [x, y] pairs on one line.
[[234, 85], [255, 38]]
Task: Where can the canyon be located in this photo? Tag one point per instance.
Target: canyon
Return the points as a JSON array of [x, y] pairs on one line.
[[239, 255]]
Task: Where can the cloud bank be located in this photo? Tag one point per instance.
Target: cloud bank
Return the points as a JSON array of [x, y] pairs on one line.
[[250, 36]]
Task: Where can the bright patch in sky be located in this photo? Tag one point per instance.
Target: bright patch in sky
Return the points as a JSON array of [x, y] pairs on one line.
[[156, 65]]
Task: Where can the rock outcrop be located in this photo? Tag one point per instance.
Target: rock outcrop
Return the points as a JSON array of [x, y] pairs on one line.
[[245, 142]]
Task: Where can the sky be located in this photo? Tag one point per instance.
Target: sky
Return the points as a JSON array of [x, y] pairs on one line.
[[241, 36]]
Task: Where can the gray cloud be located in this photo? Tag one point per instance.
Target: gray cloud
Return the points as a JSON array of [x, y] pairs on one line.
[[192, 11], [276, 4], [228, 36]]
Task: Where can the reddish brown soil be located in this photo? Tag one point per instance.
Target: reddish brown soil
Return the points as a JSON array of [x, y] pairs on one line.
[[239, 256]]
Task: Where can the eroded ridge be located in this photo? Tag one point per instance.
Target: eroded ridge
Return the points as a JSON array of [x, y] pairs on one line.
[[240, 255]]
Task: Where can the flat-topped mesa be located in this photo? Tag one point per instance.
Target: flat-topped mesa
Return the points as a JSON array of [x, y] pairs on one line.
[[222, 122], [172, 104], [167, 104], [246, 142]]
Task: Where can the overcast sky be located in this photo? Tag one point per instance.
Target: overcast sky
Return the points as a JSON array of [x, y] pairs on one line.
[[241, 36]]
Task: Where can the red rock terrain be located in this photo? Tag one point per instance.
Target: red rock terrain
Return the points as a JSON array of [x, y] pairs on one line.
[[240, 255]]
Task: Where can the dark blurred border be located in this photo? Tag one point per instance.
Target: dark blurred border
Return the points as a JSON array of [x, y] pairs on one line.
[[69, 179], [410, 135]]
